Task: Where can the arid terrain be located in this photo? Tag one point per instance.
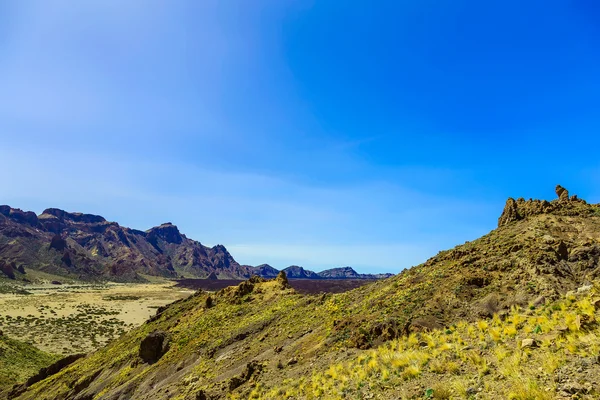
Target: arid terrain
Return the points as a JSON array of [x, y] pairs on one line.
[[305, 286], [513, 314], [78, 318]]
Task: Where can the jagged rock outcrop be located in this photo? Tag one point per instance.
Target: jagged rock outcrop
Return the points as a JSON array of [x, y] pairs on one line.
[[562, 193], [18, 215], [519, 209], [88, 247]]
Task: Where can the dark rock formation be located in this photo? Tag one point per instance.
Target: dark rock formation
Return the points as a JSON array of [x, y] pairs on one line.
[[8, 269], [58, 243], [154, 346], [167, 232], [17, 215]]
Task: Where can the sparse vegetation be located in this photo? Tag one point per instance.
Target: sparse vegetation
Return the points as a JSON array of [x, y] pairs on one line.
[[19, 360], [509, 315]]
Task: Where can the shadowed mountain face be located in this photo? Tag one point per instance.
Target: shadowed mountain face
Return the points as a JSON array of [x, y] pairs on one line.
[[223, 344], [88, 247], [264, 270], [296, 272]]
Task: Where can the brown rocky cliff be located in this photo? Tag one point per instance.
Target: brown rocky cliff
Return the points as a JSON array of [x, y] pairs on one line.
[[88, 246], [519, 209]]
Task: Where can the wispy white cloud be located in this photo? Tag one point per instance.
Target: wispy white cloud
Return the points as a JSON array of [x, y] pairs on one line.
[[153, 111], [261, 218]]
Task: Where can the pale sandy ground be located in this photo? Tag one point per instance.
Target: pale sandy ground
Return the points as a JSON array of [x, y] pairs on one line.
[[79, 318]]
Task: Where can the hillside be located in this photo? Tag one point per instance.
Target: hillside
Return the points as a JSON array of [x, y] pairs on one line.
[[19, 361], [511, 314], [87, 247]]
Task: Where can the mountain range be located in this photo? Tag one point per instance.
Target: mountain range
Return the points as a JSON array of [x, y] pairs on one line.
[[513, 314], [88, 247]]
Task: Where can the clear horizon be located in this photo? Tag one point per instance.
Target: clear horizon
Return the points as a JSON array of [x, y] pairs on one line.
[[297, 133]]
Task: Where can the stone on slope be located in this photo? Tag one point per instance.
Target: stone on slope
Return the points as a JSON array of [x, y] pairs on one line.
[[154, 346]]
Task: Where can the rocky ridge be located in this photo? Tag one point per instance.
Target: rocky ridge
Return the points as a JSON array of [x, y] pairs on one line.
[[87, 247], [472, 315]]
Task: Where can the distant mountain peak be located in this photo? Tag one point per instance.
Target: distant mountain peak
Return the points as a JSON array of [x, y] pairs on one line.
[[167, 232], [297, 272]]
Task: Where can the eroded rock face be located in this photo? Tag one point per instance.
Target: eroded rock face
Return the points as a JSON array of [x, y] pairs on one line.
[[25, 217], [74, 217], [154, 346], [562, 193], [510, 213], [58, 243], [519, 209], [100, 249], [167, 232]]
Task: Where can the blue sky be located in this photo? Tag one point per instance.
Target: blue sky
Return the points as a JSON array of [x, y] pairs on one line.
[[300, 132]]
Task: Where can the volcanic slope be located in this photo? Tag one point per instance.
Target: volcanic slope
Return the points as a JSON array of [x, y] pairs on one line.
[[19, 361], [488, 318]]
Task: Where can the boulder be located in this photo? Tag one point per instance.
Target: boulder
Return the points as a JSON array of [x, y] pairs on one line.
[[154, 346]]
